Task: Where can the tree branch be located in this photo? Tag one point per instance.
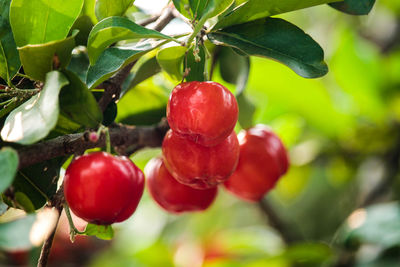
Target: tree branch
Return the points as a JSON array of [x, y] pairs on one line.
[[122, 136], [58, 203], [166, 16]]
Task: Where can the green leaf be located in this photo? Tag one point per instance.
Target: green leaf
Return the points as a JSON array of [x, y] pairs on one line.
[[100, 231], [354, 7], [215, 7], [34, 119], [24, 202], [113, 59], [78, 104], [256, 9], [39, 182], [108, 8], [8, 167], [65, 126], [14, 235], [234, 68], [9, 59], [246, 111], [79, 64], [183, 7], [146, 70], [3, 206], [170, 60], [277, 39], [143, 105], [114, 29], [10, 107], [378, 224], [84, 25], [110, 113], [197, 65], [89, 10], [42, 21], [38, 59], [197, 7], [308, 254]]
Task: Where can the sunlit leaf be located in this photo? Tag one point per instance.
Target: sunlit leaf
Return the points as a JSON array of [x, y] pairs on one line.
[[100, 231], [42, 21], [256, 9], [143, 105], [113, 59], [89, 10], [170, 59], [183, 7], [215, 7], [39, 59], [114, 29], [277, 39], [108, 8]]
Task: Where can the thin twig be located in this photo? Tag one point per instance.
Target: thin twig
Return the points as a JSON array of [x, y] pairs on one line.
[[149, 20], [166, 16], [57, 203]]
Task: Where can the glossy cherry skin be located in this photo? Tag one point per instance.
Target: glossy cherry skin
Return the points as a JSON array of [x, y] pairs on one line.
[[205, 112], [103, 189], [199, 166], [263, 160], [173, 196]]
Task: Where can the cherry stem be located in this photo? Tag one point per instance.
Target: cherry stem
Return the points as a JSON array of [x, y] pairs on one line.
[[73, 230], [108, 140]]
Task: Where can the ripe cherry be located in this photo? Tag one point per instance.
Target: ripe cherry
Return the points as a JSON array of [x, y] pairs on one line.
[[102, 189], [172, 195], [263, 159], [205, 112], [199, 166]]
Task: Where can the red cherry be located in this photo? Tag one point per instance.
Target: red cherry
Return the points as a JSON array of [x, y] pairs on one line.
[[205, 112], [103, 189], [199, 166], [172, 195], [263, 159]]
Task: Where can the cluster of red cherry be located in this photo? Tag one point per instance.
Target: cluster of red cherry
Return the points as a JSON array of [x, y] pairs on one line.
[[200, 152]]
